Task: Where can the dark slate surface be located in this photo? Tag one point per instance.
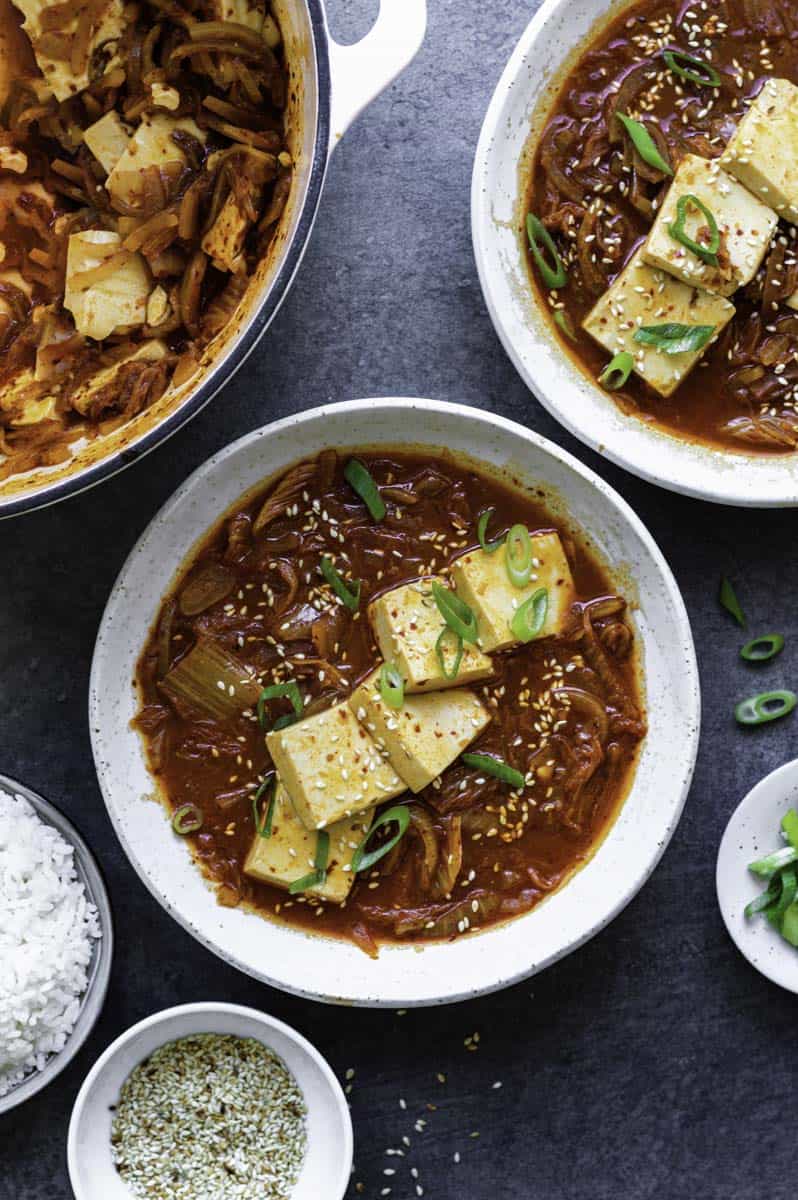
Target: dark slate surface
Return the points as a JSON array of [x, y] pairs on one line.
[[652, 1062]]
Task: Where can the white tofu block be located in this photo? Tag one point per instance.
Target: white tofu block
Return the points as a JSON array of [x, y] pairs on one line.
[[151, 145], [107, 139], [89, 393], [407, 623], [290, 852], [108, 27], [24, 401], [643, 295], [224, 241], [331, 767], [481, 580], [745, 224], [763, 153], [117, 301], [426, 734]]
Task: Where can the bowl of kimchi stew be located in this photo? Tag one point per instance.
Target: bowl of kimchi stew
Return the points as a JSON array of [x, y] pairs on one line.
[[634, 206], [391, 703]]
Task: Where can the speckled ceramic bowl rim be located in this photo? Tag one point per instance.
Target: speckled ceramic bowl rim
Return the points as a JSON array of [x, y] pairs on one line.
[[404, 975], [88, 872]]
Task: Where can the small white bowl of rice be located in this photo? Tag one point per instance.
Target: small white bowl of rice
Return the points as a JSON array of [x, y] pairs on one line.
[[56, 942]]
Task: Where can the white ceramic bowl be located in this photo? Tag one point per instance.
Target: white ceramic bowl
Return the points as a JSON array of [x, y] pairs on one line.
[[550, 43], [328, 1158], [403, 975], [753, 832]]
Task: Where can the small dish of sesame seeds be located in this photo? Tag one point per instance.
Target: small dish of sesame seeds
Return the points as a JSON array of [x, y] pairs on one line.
[[210, 1100]]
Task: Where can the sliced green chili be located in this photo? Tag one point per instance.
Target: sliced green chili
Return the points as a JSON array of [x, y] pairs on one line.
[[765, 867], [673, 338], [482, 531], [763, 648], [349, 595], [518, 556], [318, 875], [529, 619], [706, 251], [187, 819], [616, 373], [767, 706], [275, 691], [363, 860], [496, 767], [361, 480], [644, 144], [554, 276], [449, 672], [392, 686], [727, 598], [563, 323], [265, 830], [456, 613], [705, 76]]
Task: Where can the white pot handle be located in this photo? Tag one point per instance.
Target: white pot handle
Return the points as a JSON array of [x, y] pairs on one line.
[[360, 72]]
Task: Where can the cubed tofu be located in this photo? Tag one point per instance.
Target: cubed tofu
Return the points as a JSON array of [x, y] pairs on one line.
[[89, 394], [763, 153], [331, 767], [407, 623], [24, 401], [643, 295], [224, 241], [107, 28], [426, 734], [290, 851], [481, 580], [114, 302], [151, 145], [745, 224], [107, 139]]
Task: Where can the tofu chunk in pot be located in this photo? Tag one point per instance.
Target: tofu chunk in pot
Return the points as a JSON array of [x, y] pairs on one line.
[[106, 286], [763, 153]]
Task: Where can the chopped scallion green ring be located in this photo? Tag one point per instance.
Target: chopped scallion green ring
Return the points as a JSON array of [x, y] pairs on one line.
[[265, 830], [562, 321], [361, 480], [482, 530], [529, 619], [456, 613], [673, 338], [518, 556], [187, 819], [616, 373], [495, 767], [727, 598], [554, 276], [392, 686], [706, 251], [363, 860], [762, 649], [704, 76], [350, 596], [449, 671], [767, 706], [318, 875], [275, 691], [644, 144]]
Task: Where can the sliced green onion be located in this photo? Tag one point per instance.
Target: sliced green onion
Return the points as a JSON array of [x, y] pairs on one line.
[[673, 338], [482, 531], [456, 613], [186, 819], [449, 672], [360, 478], [392, 686], [563, 323], [496, 767], [349, 595], [276, 691], [518, 556], [789, 924], [529, 619], [554, 276], [789, 826], [644, 144], [767, 706], [318, 875], [363, 860], [764, 899], [789, 890], [762, 649], [765, 867], [265, 830], [727, 598], [705, 76], [616, 373], [706, 251]]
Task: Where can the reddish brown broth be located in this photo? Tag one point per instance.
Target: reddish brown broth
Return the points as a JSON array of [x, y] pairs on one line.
[[736, 397], [514, 851]]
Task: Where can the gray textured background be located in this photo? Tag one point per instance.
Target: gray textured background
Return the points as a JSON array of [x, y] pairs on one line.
[[654, 1061]]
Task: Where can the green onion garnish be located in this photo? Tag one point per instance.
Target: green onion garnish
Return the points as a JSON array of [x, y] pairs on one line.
[[186, 819], [518, 556], [554, 276], [265, 830], [673, 338], [350, 596], [767, 706], [616, 373], [779, 901], [705, 76], [360, 478], [449, 672], [765, 867], [482, 531], [644, 144], [392, 686], [706, 251], [789, 889], [563, 324], [529, 619], [728, 600], [456, 613], [789, 827], [495, 767], [274, 692], [764, 899], [362, 860], [318, 875], [762, 649]]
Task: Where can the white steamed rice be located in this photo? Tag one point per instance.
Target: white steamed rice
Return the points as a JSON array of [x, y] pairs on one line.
[[47, 931]]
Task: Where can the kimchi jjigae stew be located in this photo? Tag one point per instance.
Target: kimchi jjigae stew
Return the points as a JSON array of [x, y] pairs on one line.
[[662, 216], [143, 172], [390, 699]]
